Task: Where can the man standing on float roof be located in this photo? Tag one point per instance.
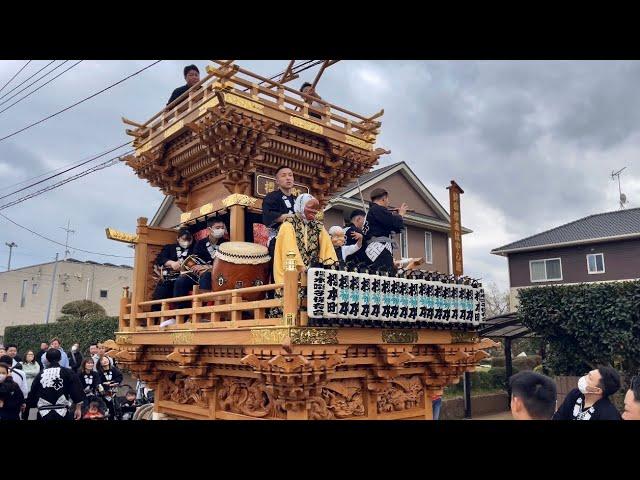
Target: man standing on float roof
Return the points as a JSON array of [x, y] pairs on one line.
[[278, 205]]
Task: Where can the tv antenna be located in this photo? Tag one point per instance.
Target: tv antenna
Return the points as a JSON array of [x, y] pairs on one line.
[[623, 197]]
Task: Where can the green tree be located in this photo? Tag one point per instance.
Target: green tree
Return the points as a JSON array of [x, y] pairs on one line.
[[84, 309]]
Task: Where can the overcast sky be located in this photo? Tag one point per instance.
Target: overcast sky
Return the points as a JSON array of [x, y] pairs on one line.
[[532, 143]]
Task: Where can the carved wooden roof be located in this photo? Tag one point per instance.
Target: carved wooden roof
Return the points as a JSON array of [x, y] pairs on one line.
[[230, 125]]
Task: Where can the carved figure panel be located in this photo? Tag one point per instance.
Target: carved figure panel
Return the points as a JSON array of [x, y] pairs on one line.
[[338, 399], [185, 390], [401, 393], [249, 397]]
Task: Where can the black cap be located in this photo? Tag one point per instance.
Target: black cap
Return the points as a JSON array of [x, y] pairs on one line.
[[377, 193], [357, 212]]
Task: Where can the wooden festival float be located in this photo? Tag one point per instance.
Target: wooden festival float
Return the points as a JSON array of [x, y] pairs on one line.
[[225, 358]]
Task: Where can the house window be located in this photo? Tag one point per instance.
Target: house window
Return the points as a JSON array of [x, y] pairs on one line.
[[404, 244], [4, 297], [103, 294], [428, 248], [34, 288], [595, 263], [23, 297], [545, 270]]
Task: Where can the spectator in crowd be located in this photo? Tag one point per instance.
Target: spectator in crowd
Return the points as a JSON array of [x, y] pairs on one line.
[[53, 390], [89, 380], [129, 406], [19, 376], [44, 346], [590, 401], [109, 377], [64, 360], [3, 351], [75, 359], [12, 351], [11, 397], [102, 350], [30, 367], [94, 412], [94, 353], [533, 396], [632, 401]]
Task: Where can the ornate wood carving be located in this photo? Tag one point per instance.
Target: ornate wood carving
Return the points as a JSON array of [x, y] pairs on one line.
[[249, 397], [337, 399]]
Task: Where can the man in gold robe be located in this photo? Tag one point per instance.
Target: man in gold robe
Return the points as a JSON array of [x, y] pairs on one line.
[[305, 236]]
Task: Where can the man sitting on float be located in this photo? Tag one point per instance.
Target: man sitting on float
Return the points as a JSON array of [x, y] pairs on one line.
[[305, 236]]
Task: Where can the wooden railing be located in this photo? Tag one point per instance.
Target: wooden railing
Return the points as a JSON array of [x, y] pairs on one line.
[[243, 83], [225, 309]]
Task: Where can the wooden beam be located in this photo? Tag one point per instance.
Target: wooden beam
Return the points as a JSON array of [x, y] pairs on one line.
[[325, 65]]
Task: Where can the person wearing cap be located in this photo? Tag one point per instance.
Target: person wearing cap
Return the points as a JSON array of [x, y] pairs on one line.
[[353, 235], [168, 264], [381, 225]]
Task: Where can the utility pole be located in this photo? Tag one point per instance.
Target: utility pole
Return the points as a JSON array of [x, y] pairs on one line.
[[66, 242], [53, 284], [11, 247]]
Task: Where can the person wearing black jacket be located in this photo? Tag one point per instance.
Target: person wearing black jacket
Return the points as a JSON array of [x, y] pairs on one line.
[[357, 219], [205, 249], [191, 76], [170, 258], [11, 397], [278, 205], [44, 346], [381, 225], [109, 378], [89, 381], [53, 388], [590, 401], [75, 357]]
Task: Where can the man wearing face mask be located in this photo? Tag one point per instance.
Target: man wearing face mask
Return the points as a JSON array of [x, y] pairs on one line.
[[170, 258], [205, 249], [590, 401]]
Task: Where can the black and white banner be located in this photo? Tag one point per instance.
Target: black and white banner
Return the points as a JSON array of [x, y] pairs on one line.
[[336, 294]]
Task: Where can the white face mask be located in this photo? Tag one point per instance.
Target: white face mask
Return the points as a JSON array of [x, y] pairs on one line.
[[184, 243], [582, 385], [217, 232], [74, 348]]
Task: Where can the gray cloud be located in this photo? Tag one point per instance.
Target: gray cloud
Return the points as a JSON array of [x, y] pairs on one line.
[[530, 142]]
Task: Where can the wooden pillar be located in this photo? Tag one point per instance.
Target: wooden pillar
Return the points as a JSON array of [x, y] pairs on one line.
[[124, 301], [290, 300], [139, 271], [237, 223]]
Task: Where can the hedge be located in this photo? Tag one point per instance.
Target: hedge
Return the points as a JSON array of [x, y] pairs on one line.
[[489, 380], [586, 325], [84, 332]]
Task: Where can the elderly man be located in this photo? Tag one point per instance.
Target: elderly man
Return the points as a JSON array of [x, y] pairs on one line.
[[338, 239]]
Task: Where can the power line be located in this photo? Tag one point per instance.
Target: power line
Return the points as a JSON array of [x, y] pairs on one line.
[[34, 91], [101, 166], [34, 82], [18, 73], [79, 102], [59, 243], [66, 170], [28, 78]]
